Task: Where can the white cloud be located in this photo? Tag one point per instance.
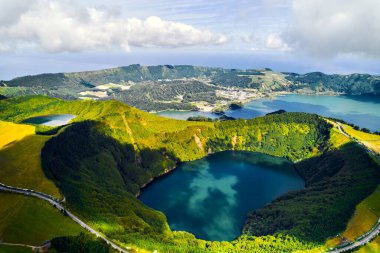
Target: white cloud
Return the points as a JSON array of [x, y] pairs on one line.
[[4, 48], [250, 38], [58, 27], [10, 11], [274, 41], [263, 42], [329, 28]]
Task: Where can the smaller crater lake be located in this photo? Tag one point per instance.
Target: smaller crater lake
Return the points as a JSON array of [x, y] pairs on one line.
[[211, 197], [50, 120]]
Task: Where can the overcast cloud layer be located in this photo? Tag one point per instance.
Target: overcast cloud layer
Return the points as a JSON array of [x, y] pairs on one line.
[[327, 28]]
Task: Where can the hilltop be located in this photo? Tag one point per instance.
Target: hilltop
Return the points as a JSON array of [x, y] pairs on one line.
[[154, 88]]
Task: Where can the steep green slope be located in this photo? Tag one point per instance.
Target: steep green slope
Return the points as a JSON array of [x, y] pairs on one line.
[[83, 243], [350, 84], [335, 183], [20, 158], [112, 150], [293, 135], [98, 175], [31, 221], [14, 249]]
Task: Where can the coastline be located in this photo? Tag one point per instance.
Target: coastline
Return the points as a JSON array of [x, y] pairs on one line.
[[259, 96]]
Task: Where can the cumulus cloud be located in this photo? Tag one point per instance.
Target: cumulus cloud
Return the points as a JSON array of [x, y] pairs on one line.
[[275, 41], [272, 41], [11, 10], [58, 27], [340, 27], [250, 38]]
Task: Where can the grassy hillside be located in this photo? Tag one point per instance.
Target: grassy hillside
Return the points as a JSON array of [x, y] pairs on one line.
[[372, 247], [372, 141], [31, 221], [337, 139], [10, 132], [184, 140], [20, 159], [364, 218], [366, 215], [112, 150]]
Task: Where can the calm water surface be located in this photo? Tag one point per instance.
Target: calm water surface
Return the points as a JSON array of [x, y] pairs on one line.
[[363, 111], [51, 120], [211, 197]]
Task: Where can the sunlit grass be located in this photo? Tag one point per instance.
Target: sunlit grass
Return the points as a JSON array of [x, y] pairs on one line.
[[372, 141], [368, 211], [10, 132], [360, 223], [20, 161], [365, 217], [333, 242], [372, 247], [337, 139]]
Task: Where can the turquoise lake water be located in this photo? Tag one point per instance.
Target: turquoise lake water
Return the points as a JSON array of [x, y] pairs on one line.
[[51, 120], [363, 111], [211, 197]]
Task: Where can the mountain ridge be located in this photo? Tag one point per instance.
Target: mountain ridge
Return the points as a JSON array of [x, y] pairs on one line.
[[185, 87]]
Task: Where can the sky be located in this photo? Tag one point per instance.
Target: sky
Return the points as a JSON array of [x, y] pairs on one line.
[[332, 36]]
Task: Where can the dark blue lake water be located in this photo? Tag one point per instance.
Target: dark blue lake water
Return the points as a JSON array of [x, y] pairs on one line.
[[363, 111], [211, 197]]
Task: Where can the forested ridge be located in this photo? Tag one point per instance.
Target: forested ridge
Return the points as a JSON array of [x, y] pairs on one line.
[[335, 182], [181, 87], [111, 150]]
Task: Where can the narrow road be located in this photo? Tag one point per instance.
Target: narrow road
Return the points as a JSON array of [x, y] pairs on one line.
[[55, 202], [375, 232], [376, 228], [341, 130], [357, 141], [21, 245]]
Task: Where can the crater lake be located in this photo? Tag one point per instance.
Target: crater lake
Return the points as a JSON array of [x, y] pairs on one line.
[[211, 197]]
